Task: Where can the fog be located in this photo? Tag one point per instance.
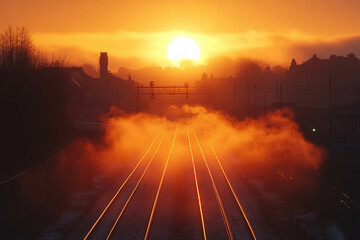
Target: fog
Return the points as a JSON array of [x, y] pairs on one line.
[[267, 142]]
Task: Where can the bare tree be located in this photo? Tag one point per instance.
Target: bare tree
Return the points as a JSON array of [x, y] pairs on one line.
[[17, 50], [249, 67], [250, 74]]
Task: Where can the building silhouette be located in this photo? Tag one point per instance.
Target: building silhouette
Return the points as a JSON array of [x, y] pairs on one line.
[[307, 84], [89, 97], [103, 63]]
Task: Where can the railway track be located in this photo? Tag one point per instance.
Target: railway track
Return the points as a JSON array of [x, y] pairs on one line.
[[235, 223], [113, 204], [179, 189]]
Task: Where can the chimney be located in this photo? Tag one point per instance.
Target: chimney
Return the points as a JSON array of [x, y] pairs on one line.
[[103, 65]]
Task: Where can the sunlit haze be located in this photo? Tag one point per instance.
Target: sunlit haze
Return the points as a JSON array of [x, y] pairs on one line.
[[191, 119], [137, 33], [183, 48]]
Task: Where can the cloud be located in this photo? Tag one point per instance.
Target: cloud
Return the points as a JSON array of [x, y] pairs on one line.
[[140, 49], [323, 49]]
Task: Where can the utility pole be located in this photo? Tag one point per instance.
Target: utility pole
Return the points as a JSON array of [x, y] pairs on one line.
[[234, 92], [81, 104], [186, 90], [255, 94], [265, 101], [277, 90], [137, 99], [248, 92], [330, 104]]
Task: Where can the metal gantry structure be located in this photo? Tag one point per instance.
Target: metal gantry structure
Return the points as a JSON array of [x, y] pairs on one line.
[[153, 90]]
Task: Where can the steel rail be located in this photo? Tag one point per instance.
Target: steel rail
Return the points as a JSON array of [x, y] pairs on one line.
[[121, 187], [197, 187], [159, 188], [135, 188], [233, 193], [221, 206]]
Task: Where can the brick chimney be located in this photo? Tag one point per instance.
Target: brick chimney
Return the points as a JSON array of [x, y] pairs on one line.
[[103, 65]]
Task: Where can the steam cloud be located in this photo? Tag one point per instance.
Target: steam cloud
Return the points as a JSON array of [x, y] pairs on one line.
[[272, 139]]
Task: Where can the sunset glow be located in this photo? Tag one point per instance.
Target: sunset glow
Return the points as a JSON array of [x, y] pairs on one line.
[[137, 33], [224, 119], [183, 48]]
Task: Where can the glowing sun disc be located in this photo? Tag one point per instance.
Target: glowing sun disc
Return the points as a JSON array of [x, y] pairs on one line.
[[183, 48]]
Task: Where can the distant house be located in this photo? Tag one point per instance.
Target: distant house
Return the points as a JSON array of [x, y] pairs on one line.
[[89, 97], [308, 84]]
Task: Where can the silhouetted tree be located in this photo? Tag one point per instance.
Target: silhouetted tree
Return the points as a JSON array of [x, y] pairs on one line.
[[33, 102], [249, 71], [17, 49], [18, 52], [249, 68], [204, 77], [278, 69], [250, 75]]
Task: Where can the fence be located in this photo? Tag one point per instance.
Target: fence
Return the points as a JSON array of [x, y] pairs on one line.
[[37, 195]]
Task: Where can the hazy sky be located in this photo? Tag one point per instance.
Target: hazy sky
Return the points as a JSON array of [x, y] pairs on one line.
[[137, 33]]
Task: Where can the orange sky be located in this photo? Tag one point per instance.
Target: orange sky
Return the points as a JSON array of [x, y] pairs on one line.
[[136, 33]]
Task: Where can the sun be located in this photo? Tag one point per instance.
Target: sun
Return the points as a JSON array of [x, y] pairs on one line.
[[183, 48]]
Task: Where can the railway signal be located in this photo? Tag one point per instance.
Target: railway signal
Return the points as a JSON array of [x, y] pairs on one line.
[[153, 90]]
